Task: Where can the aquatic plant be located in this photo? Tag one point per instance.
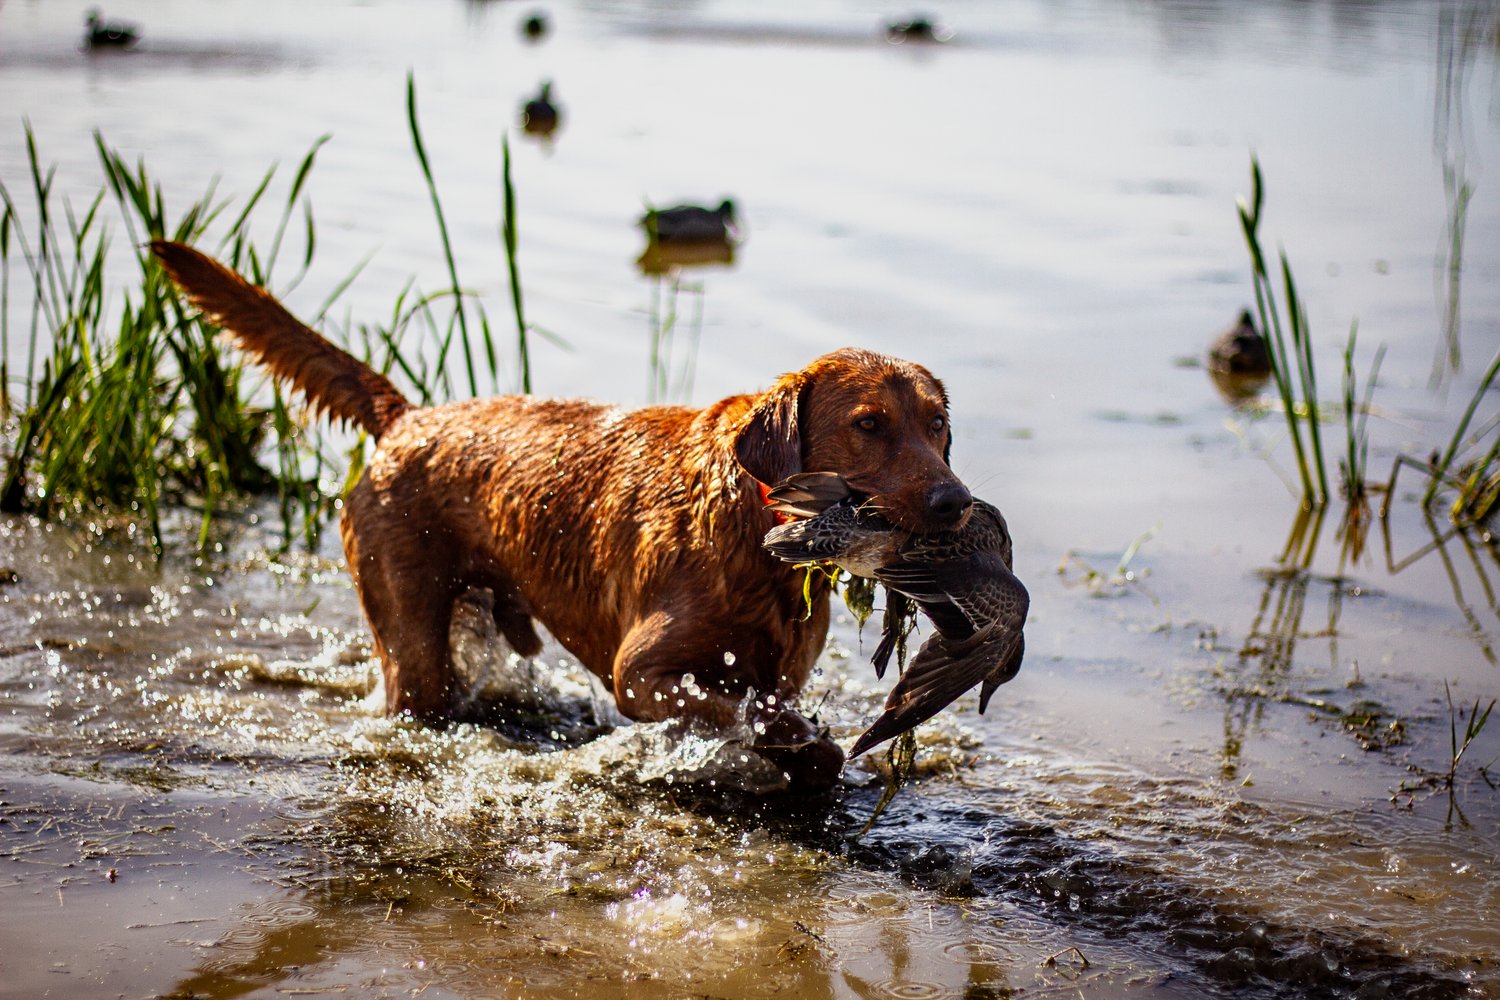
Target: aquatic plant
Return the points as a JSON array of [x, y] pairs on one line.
[[1478, 480], [127, 404], [130, 404], [458, 322], [508, 231], [1354, 464], [1293, 371], [1472, 728]]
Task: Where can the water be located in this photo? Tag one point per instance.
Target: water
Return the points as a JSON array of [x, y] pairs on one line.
[[1208, 779]]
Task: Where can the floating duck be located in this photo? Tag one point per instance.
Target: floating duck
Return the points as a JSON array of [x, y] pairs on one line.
[[539, 116], [1239, 361], [691, 224], [534, 26], [917, 29], [961, 580], [101, 35]]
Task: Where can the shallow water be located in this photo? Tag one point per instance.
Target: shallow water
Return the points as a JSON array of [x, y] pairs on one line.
[[1208, 779]]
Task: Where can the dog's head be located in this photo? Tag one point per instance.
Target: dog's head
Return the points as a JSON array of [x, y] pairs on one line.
[[879, 422]]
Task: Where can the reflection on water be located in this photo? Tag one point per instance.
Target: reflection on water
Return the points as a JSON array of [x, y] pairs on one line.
[[1477, 546], [476, 857], [1463, 29]]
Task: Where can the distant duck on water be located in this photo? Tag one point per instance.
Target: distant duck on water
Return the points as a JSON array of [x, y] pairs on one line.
[[539, 116], [918, 29], [103, 35], [534, 26], [1239, 362], [692, 224]]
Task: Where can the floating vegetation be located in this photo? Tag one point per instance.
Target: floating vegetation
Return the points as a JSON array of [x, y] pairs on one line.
[[1078, 572]]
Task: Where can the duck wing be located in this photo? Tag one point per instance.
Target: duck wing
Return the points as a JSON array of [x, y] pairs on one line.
[[962, 579], [985, 531], [820, 538], [942, 671], [897, 608], [1006, 668], [808, 494]]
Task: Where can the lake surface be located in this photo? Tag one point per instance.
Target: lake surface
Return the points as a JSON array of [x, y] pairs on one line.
[[1217, 774]]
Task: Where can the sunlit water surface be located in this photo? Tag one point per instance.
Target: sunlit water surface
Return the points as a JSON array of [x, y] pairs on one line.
[[1208, 779]]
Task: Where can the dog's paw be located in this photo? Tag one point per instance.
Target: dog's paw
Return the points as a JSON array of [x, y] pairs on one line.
[[802, 749]]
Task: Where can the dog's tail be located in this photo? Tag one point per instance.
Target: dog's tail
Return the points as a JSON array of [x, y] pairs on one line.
[[331, 378]]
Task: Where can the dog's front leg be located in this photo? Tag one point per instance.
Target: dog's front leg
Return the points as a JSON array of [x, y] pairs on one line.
[[670, 668]]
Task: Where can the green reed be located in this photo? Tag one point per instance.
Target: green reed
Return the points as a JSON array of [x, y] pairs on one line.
[[1473, 726], [1293, 370], [1354, 465], [1478, 479], [129, 402], [460, 316], [508, 231]]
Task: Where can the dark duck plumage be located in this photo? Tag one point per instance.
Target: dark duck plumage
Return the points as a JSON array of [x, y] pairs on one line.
[[102, 35], [691, 224], [961, 580], [540, 116], [1239, 361]]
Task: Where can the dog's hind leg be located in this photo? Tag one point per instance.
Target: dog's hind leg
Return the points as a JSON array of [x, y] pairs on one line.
[[407, 594], [511, 612]]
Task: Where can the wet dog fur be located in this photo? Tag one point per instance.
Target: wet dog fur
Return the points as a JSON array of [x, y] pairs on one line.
[[633, 536]]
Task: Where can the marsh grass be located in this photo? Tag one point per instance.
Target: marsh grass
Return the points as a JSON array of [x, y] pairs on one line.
[[1469, 462], [1354, 465], [126, 405], [1292, 367], [1473, 726], [667, 294], [127, 401]]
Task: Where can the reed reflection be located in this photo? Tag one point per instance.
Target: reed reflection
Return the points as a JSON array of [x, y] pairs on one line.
[[1264, 671]]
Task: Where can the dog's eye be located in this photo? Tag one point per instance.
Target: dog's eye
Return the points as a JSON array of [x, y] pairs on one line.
[[939, 425], [867, 424]]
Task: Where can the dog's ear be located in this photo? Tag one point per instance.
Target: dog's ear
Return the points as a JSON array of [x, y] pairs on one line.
[[769, 444]]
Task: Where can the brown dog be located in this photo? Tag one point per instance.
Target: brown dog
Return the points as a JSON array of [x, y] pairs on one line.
[[634, 536]]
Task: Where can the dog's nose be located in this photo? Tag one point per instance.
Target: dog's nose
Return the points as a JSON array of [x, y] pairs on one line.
[[948, 502]]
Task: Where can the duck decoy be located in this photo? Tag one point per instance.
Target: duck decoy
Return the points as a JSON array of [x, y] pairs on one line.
[[534, 26], [539, 116], [1239, 361], [917, 29], [691, 224], [102, 35], [960, 579]]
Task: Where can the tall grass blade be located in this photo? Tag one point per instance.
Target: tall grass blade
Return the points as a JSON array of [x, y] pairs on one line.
[[1293, 365], [437, 208], [511, 240]]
